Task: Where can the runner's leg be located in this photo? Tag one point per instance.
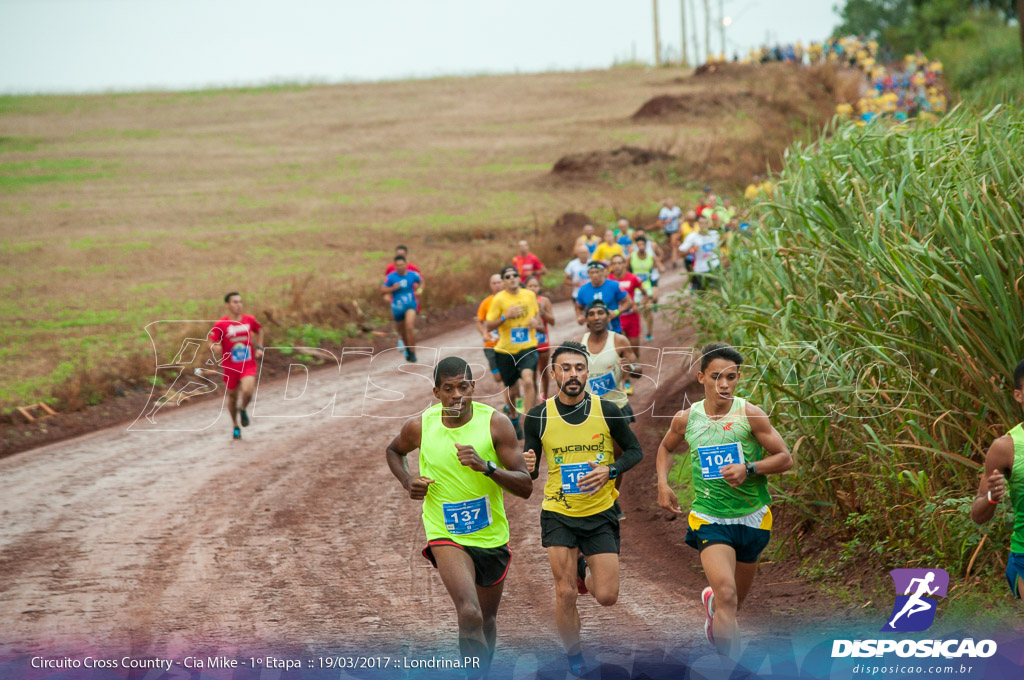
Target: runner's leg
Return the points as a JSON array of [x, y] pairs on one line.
[[410, 328], [529, 390], [490, 598], [248, 388], [603, 579], [719, 562], [745, 572], [459, 577], [545, 375], [567, 618], [233, 405]]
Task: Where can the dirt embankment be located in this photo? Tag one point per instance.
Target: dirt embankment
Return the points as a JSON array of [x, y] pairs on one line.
[[755, 112]]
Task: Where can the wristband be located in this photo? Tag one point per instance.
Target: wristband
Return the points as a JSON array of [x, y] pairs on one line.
[[259, 347], [503, 319], [615, 313], [990, 499], [613, 472]]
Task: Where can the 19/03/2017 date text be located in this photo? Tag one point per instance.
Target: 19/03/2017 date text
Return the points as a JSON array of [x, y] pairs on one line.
[[355, 662]]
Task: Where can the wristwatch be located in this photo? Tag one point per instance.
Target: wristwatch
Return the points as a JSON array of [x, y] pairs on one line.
[[751, 469], [612, 472], [491, 468]]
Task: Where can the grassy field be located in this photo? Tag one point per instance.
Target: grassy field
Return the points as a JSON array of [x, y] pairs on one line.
[[122, 209]]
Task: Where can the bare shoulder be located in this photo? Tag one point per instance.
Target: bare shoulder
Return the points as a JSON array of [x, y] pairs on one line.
[[1000, 453]]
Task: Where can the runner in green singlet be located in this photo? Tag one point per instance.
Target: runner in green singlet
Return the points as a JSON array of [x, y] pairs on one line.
[[1004, 471], [468, 454], [732, 447], [647, 267]]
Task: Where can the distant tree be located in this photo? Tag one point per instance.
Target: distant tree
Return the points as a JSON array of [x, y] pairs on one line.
[[872, 17], [906, 25]]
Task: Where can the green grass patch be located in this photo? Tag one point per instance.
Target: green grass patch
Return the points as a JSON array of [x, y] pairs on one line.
[[18, 144]]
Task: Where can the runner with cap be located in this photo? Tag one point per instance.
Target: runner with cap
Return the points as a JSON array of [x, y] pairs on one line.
[[608, 292]]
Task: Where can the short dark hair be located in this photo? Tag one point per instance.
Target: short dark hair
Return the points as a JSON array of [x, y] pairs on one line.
[[401, 247], [718, 350], [506, 270], [227, 298], [570, 347], [1018, 376], [451, 367], [400, 257], [641, 237]]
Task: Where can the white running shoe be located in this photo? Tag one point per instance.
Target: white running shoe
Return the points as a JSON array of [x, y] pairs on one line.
[[707, 598]]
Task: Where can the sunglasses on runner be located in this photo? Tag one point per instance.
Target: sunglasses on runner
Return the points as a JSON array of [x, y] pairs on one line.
[[510, 276]]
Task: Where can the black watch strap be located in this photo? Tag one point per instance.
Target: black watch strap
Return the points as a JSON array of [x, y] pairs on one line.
[[751, 468], [491, 468]]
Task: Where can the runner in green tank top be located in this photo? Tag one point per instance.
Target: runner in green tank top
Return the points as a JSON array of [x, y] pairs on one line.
[[468, 453], [732, 447], [1004, 471]]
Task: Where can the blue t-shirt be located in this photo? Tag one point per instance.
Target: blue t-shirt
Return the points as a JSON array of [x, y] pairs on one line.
[[609, 293], [404, 297], [626, 242]]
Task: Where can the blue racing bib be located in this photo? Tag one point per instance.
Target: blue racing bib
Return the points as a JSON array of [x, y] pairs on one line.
[[520, 335], [240, 353], [713, 458], [602, 384], [571, 475], [466, 517]]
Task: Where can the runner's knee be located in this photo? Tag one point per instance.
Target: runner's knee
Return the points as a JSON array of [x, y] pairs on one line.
[[471, 618], [726, 597], [606, 597], [565, 591]]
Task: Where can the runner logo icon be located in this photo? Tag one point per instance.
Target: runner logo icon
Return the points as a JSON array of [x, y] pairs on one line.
[[917, 593]]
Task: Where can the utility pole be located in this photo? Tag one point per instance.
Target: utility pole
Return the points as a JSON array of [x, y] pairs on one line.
[[682, 13], [657, 41], [721, 23], [696, 43], [707, 30]]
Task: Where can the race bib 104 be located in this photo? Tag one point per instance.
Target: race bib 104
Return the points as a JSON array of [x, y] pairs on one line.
[[713, 458], [572, 473], [467, 517]]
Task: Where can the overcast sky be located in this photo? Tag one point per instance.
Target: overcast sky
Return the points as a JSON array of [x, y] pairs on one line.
[[98, 45]]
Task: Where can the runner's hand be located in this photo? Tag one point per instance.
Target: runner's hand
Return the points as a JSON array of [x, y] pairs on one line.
[[513, 312], [537, 323], [418, 488], [593, 481], [735, 474], [531, 460], [258, 354], [470, 458], [996, 486], [667, 499]]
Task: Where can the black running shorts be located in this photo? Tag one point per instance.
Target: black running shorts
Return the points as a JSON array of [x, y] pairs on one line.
[[593, 534], [511, 366], [490, 564]]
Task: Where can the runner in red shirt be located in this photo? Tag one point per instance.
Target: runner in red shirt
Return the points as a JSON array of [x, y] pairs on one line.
[[630, 284], [527, 264], [231, 341]]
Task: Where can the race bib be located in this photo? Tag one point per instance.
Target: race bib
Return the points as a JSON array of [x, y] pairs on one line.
[[572, 473], [602, 384], [240, 353], [713, 458], [520, 335], [541, 338], [402, 283], [467, 517]]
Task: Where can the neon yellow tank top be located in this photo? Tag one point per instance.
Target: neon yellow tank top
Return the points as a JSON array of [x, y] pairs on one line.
[[1015, 485], [567, 449], [462, 505]]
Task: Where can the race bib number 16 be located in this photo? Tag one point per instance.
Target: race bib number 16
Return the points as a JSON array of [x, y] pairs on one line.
[[571, 475], [714, 458]]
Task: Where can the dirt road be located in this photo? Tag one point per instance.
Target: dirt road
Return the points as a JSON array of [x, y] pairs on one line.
[[296, 537]]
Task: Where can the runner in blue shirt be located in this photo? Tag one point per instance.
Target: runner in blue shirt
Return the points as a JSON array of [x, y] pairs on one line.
[[402, 284], [608, 292]]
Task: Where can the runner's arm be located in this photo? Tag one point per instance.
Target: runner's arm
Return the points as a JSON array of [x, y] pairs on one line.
[[512, 474], [495, 317], [407, 440], [547, 312], [998, 463], [625, 303], [632, 452], [675, 436], [627, 358], [777, 456], [259, 343], [533, 430]]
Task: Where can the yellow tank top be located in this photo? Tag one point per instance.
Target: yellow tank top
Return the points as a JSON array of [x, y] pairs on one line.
[[568, 448]]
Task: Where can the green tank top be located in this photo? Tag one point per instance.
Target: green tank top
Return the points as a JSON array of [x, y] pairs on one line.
[[641, 267], [1015, 485], [462, 505], [716, 440]]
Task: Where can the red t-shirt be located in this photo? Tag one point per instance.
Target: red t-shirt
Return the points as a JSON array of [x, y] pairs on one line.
[[410, 265], [527, 265], [629, 284], [235, 338]]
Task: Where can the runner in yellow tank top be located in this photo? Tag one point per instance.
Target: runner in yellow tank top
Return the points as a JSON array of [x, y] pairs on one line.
[[468, 453], [579, 520], [730, 522]]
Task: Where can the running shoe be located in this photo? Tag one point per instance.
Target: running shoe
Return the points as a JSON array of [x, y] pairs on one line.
[[518, 428], [578, 668], [412, 357], [236, 433], [581, 575], [401, 345], [244, 417], [707, 598], [649, 338]]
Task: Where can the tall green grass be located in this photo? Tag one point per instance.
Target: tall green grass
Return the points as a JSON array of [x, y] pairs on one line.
[[881, 302], [983, 63]]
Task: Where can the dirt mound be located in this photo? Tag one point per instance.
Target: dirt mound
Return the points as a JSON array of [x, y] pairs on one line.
[[595, 162], [571, 222], [728, 70]]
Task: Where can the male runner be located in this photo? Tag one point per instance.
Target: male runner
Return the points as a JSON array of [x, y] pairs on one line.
[[733, 446], [547, 316], [526, 263], [705, 261], [515, 314], [490, 338], [576, 270], [668, 218], [607, 248], [631, 285], [611, 358], [588, 239], [401, 284], [624, 236], [608, 292], [468, 454], [231, 340], [647, 268], [1004, 471], [404, 252], [579, 517]]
